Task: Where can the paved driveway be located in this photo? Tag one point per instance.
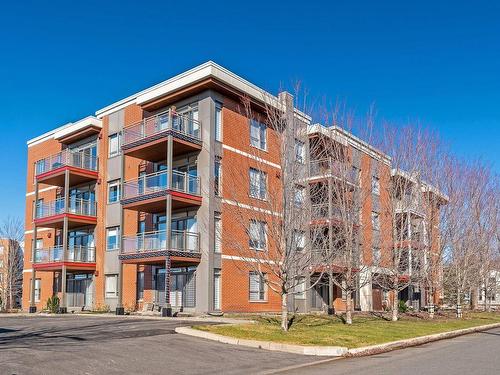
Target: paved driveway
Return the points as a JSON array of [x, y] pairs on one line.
[[477, 354], [107, 345]]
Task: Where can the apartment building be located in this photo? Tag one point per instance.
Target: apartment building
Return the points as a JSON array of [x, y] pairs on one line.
[[127, 209], [11, 268]]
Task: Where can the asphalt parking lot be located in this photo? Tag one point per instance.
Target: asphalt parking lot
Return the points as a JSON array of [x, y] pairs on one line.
[[108, 345]]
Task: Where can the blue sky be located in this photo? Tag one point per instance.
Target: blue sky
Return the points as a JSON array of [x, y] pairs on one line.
[[436, 62]]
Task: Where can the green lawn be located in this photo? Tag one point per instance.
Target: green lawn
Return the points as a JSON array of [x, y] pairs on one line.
[[365, 330]]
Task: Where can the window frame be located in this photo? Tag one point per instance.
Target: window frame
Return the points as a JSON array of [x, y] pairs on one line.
[[38, 290], [375, 221], [111, 184], [299, 191], [112, 294], [217, 233], [113, 153], [117, 246], [260, 242], [261, 179], [218, 176], [302, 159], [260, 142], [218, 122], [375, 185], [300, 288], [140, 285], [262, 292]]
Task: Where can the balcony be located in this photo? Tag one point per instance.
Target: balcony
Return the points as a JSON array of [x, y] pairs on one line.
[[52, 214], [329, 168], [147, 193], [81, 165], [409, 205], [320, 213], [75, 257], [417, 240], [152, 246], [147, 139]]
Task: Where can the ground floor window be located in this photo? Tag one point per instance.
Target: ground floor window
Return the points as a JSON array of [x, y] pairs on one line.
[[112, 285], [38, 288], [217, 289], [257, 286], [140, 285], [300, 288]]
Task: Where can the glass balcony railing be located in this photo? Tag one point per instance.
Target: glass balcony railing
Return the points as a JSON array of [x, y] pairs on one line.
[[79, 254], [83, 160], [157, 241], [58, 206], [169, 120], [156, 182]]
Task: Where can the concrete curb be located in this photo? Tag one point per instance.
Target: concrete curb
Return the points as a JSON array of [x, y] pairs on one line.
[[330, 351], [400, 344], [333, 351]]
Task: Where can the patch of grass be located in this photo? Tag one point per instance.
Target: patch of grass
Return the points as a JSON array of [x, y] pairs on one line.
[[365, 330]]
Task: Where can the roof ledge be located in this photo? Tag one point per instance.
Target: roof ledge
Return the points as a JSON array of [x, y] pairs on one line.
[[83, 128]]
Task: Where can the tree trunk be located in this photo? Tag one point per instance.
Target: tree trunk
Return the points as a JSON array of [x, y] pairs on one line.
[[284, 312], [330, 289], [348, 315], [474, 299], [431, 303], [459, 307], [395, 308]]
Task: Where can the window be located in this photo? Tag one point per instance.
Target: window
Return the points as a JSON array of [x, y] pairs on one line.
[[299, 240], [217, 289], [375, 185], [258, 180], [217, 176], [258, 134], [38, 246], [113, 238], [218, 233], [140, 285], [356, 175], [114, 144], [38, 289], [257, 286], [375, 221], [141, 226], [113, 191], [111, 286], [257, 234], [299, 152], [299, 196], [39, 208], [376, 256], [300, 288], [218, 121]]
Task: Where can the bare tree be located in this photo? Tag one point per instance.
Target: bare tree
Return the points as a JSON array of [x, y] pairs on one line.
[[11, 262], [469, 231], [337, 202], [411, 202], [270, 222]]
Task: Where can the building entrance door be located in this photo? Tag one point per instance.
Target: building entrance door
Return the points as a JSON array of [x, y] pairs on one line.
[[79, 291], [182, 287]]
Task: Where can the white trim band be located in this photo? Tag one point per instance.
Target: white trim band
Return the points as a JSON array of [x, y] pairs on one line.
[[246, 154]]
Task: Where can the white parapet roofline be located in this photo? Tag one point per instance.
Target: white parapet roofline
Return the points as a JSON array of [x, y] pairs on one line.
[[66, 129], [207, 70]]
